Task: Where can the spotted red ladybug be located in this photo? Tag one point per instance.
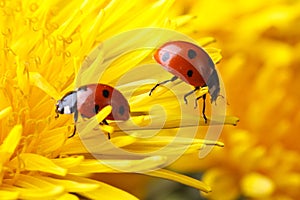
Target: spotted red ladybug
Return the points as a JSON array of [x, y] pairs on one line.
[[191, 64], [88, 100]]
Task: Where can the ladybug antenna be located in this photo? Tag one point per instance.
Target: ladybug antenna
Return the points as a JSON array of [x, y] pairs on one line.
[[74, 131]]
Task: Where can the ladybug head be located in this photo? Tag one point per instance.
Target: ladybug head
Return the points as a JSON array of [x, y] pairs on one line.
[[213, 86], [68, 104]]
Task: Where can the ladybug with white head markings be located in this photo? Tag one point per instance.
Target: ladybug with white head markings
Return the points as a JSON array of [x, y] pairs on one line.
[[191, 64], [88, 100]]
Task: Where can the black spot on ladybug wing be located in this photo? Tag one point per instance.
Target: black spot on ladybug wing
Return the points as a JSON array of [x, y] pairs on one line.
[[165, 57], [121, 110], [191, 53], [105, 93], [189, 73]]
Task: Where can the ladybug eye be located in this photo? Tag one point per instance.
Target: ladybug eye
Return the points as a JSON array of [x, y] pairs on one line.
[[121, 110], [165, 56], [192, 54], [105, 93], [189, 73]]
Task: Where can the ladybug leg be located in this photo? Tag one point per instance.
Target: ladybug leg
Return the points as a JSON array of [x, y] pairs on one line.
[[75, 116], [106, 123], [203, 106], [189, 93], [57, 115], [161, 83], [75, 119], [74, 131]]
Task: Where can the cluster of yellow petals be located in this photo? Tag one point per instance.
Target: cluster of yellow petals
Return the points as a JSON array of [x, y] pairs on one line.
[[43, 44]]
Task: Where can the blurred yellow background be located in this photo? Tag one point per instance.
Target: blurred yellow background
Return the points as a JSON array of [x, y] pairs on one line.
[[260, 43]]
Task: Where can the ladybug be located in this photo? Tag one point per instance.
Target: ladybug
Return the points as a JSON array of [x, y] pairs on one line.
[[88, 100], [191, 64]]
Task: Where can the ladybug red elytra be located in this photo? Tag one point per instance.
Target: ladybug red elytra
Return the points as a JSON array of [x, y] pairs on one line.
[[191, 64], [88, 100]]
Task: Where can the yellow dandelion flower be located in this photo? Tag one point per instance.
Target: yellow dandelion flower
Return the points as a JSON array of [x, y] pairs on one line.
[[260, 46], [44, 47]]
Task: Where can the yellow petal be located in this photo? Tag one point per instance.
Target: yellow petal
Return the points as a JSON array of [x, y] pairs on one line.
[[35, 162], [122, 141], [183, 19], [68, 162], [70, 185], [54, 139], [68, 196], [206, 41], [108, 146], [10, 143], [86, 127], [91, 145], [5, 112], [169, 175], [118, 166], [175, 121], [167, 145], [39, 81], [104, 191], [4, 194], [31, 194], [73, 146], [30, 187], [214, 53], [22, 76], [103, 113]]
